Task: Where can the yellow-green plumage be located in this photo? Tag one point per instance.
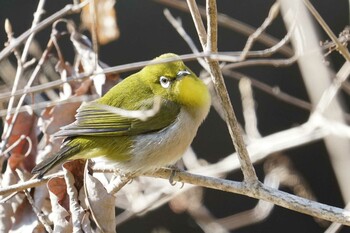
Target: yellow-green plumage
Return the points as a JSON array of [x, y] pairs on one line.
[[135, 145]]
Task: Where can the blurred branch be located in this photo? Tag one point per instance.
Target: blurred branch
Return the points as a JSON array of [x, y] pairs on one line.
[[123, 68], [8, 128], [271, 90], [68, 9], [28, 184], [51, 103], [342, 49], [249, 113], [230, 23], [142, 115], [313, 70], [271, 16], [21, 65]]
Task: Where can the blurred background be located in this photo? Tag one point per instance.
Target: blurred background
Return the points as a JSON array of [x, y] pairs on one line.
[[145, 33]]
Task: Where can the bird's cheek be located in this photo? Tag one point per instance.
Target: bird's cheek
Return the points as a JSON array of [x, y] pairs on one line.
[[190, 91]]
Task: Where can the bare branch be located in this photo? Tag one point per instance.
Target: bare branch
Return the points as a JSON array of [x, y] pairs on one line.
[[263, 192], [219, 84]]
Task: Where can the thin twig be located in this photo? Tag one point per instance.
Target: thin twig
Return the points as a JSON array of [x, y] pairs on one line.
[[330, 93], [138, 65], [118, 183], [197, 19], [142, 115], [94, 35], [274, 90], [263, 62], [271, 16], [114, 69], [176, 23], [27, 184], [41, 217], [249, 113], [51, 103]]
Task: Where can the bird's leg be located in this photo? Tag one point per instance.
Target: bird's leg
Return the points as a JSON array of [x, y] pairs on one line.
[[174, 169]]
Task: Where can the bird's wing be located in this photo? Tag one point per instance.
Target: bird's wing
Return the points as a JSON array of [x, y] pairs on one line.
[[95, 120]]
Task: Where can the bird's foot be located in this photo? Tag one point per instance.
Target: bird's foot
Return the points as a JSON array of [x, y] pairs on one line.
[[174, 170]]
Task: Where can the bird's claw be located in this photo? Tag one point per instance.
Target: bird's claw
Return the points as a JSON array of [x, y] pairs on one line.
[[174, 170], [171, 178]]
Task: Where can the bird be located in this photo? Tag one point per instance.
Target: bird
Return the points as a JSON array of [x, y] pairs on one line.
[[132, 144]]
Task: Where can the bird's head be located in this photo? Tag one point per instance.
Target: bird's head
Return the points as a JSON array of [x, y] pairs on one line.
[[176, 82]]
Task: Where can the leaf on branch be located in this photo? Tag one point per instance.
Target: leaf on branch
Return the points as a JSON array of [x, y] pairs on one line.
[[60, 205], [74, 174], [75, 168], [101, 204], [87, 61], [106, 20]]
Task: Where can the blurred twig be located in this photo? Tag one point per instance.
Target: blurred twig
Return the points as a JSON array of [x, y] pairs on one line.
[[68, 9], [21, 63], [272, 15], [233, 24], [313, 71], [342, 49]]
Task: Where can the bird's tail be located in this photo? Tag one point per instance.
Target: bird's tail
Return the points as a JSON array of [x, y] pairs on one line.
[[65, 153]]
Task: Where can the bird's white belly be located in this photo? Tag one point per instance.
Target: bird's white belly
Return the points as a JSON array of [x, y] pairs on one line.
[[155, 150]]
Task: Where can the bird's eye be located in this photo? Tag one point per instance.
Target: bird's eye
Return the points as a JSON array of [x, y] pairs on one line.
[[164, 81]]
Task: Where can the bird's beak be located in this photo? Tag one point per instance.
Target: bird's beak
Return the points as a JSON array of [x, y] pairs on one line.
[[182, 73]]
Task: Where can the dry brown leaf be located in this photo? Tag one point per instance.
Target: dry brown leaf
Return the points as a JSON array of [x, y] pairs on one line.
[[7, 209], [106, 17], [58, 116], [60, 205], [84, 87], [58, 187], [76, 168], [102, 204], [86, 62], [73, 175], [24, 130], [25, 219]]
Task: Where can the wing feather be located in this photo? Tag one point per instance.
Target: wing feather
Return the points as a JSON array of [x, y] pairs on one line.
[[93, 120]]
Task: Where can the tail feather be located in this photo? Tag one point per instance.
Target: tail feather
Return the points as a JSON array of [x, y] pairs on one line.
[[65, 153]]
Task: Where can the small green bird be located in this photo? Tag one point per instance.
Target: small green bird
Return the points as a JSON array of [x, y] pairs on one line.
[[133, 144]]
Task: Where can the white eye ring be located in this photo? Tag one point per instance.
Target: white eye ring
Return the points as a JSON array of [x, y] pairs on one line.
[[164, 81]]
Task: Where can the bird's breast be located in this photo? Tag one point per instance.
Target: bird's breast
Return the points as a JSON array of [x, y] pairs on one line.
[[165, 147]]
